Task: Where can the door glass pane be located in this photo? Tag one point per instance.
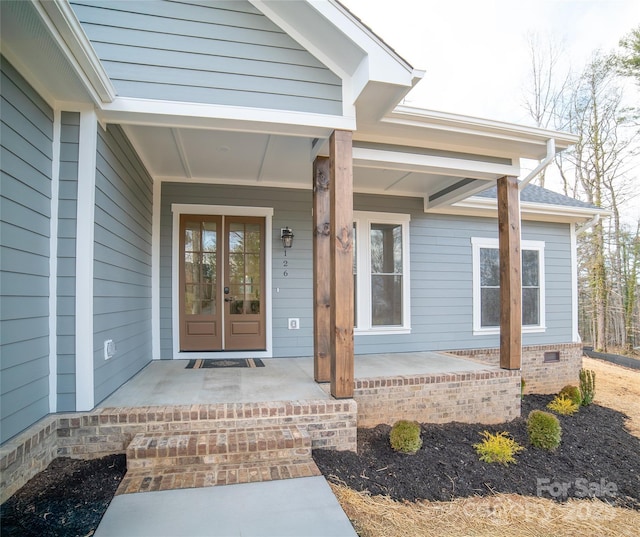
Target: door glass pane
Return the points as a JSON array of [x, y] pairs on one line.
[[191, 301], [209, 237], [244, 268], [236, 268], [192, 265], [200, 268]]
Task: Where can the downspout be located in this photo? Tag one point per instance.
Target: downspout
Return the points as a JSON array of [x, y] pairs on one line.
[[551, 152], [594, 221]]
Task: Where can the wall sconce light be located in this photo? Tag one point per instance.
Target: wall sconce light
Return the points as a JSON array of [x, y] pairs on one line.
[[287, 237]]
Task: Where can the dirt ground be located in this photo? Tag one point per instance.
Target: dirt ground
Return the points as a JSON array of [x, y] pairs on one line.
[[618, 388]]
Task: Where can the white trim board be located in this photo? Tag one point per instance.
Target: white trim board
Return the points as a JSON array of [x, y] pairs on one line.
[[178, 209], [53, 263], [88, 147]]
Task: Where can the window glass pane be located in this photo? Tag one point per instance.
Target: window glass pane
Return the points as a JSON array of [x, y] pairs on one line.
[[490, 299], [489, 267], [530, 268], [386, 249], [531, 306], [386, 300]]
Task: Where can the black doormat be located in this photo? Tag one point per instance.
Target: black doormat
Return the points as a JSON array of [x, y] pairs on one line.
[[230, 362]]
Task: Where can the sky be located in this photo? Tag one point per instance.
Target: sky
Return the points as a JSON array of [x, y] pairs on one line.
[[474, 52]]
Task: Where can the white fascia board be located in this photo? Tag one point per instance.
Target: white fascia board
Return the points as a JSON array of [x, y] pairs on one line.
[[528, 142], [476, 124], [543, 212], [386, 64], [66, 29], [149, 112], [412, 162]]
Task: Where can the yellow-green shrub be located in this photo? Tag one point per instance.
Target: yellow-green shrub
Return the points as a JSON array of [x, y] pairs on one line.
[[405, 436], [573, 393], [563, 405], [587, 386], [499, 447], [544, 430]]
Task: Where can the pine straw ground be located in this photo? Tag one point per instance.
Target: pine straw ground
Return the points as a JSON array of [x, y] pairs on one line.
[[506, 515]]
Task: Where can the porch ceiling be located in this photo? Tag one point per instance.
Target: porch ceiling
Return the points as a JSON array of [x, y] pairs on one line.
[[264, 159]]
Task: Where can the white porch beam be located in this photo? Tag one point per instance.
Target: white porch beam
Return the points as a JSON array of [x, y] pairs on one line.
[[413, 162], [133, 111]]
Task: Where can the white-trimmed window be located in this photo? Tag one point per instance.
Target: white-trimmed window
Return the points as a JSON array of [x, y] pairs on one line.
[[486, 286], [381, 273]]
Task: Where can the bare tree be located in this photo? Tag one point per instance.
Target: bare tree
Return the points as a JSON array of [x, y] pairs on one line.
[[544, 90]]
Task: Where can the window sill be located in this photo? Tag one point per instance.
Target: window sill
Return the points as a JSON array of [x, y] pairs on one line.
[[381, 331], [496, 331]]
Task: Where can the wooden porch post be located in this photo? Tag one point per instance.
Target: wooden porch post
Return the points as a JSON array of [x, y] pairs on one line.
[[341, 225], [321, 271], [510, 273]]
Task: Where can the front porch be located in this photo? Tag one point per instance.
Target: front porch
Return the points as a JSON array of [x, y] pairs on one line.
[[168, 382], [176, 403]]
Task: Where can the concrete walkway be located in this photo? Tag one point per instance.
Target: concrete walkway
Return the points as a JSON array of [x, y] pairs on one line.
[[304, 507]]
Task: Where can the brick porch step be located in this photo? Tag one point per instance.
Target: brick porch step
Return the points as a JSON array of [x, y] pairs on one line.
[[166, 460], [207, 475], [222, 446]]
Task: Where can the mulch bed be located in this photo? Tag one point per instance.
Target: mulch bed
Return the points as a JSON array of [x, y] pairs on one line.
[[70, 497], [596, 454], [67, 499]]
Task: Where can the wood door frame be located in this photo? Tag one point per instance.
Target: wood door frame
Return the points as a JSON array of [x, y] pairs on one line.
[[179, 209]]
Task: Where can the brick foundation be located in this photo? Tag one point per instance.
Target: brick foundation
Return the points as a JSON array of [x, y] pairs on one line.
[[330, 424], [487, 396], [26, 455], [540, 377]]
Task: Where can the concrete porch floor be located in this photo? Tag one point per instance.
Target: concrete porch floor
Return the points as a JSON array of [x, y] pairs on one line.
[[168, 382]]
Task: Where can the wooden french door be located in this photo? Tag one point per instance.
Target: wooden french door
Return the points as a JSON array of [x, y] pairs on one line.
[[222, 283]]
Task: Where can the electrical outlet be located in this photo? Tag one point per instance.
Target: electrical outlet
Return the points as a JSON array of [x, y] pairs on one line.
[[109, 348], [294, 324]]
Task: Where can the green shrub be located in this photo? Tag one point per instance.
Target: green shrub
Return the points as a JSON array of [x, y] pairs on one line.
[[544, 430], [573, 393], [587, 386], [522, 386], [563, 405], [499, 447], [405, 436]]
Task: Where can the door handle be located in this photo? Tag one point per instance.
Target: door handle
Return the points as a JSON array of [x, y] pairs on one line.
[[228, 299]]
